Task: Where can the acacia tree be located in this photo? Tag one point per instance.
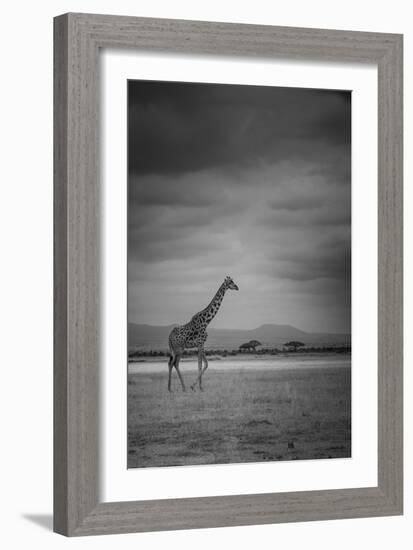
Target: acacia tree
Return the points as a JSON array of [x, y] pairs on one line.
[[294, 345], [254, 343], [251, 345]]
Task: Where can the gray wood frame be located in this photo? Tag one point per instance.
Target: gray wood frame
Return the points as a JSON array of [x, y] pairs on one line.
[[78, 39]]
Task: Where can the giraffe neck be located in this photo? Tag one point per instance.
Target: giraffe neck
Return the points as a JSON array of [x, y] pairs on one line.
[[212, 308]]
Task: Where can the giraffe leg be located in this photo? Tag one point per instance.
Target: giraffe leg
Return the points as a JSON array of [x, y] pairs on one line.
[[199, 379], [170, 367], [205, 361], [177, 359]]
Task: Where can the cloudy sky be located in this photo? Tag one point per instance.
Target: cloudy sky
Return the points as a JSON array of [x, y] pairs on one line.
[[247, 181]]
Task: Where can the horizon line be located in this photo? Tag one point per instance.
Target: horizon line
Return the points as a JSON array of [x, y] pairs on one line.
[[245, 329]]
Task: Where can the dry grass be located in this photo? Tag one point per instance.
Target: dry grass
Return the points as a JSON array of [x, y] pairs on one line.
[[242, 416]]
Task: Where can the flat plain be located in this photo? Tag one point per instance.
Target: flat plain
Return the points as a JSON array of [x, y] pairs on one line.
[[249, 411]]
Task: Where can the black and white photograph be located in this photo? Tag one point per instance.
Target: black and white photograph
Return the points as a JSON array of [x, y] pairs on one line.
[[239, 274], [205, 270]]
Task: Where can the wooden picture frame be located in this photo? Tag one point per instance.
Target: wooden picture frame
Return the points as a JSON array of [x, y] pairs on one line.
[[78, 39]]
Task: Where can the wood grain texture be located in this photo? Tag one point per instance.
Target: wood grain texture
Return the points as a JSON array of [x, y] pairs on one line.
[[78, 39], [390, 273], [60, 485], [76, 277]]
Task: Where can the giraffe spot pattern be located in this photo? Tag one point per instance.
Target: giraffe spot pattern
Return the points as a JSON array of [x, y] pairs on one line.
[[193, 334]]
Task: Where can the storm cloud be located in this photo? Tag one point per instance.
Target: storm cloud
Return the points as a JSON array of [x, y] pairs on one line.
[[242, 180]]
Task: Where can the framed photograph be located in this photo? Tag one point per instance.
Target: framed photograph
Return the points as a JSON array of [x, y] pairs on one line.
[[228, 274]]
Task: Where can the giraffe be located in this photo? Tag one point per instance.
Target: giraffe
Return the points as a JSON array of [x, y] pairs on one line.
[[194, 335]]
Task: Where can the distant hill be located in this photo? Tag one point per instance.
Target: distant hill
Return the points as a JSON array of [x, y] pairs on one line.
[[149, 337]]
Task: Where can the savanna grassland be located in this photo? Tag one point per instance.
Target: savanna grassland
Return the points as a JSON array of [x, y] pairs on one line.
[[244, 415]]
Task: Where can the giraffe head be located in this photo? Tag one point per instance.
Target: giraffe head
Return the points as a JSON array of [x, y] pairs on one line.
[[229, 283]]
